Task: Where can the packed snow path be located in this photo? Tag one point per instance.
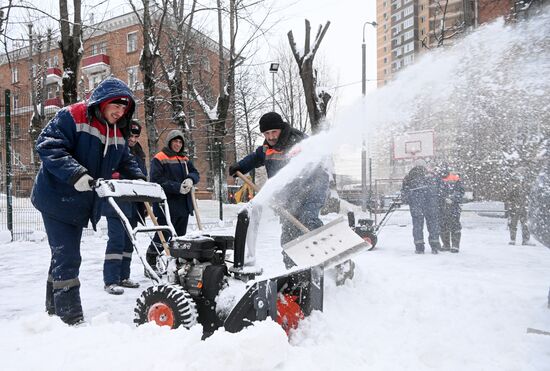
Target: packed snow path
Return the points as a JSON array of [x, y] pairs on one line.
[[402, 311]]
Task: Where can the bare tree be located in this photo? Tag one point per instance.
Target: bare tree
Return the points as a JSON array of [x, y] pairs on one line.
[[71, 49], [147, 63], [317, 102], [443, 27]]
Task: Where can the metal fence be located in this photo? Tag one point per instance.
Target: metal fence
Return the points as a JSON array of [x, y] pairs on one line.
[[18, 164]]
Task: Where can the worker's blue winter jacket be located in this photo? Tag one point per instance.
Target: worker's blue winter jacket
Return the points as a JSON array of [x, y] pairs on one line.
[[71, 145]]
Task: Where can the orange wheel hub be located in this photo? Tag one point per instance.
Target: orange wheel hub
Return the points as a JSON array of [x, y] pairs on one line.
[[161, 314], [289, 313]]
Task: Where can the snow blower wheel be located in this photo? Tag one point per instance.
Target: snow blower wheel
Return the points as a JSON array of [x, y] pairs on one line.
[[166, 305]]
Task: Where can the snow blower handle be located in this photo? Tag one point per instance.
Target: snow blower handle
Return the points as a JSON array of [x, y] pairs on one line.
[[195, 208], [279, 210], [156, 223]]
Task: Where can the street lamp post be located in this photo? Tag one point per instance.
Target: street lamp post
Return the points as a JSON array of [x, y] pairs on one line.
[[363, 147], [273, 68]]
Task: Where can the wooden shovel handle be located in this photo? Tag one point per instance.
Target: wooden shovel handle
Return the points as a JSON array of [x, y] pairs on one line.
[[279, 210], [156, 223], [194, 200]]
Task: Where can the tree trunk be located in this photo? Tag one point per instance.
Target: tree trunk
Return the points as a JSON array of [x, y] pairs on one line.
[[70, 46], [317, 104], [146, 64]]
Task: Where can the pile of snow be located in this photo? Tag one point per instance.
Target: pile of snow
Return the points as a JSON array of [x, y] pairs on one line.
[[402, 311]]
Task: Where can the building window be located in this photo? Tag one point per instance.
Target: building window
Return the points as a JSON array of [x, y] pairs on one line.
[[408, 35], [408, 23], [133, 77], [205, 64], [55, 61], [131, 45], [15, 101], [15, 130], [53, 90], [95, 79], [408, 47], [422, 19], [397, 17], [408, 11], [14, 75], [408, 59], [99, 48]]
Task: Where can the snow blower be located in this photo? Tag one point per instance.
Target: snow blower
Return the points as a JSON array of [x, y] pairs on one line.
[[198, 270]]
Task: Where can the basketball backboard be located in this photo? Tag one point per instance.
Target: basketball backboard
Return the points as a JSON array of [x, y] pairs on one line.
[[414, 144]]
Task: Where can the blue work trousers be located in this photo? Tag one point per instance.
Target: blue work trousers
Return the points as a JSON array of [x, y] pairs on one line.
[[63, 286]]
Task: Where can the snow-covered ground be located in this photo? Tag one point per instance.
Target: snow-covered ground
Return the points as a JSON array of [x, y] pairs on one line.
[[401, 312]]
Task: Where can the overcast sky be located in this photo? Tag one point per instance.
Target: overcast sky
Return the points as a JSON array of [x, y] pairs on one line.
[[341, 47]]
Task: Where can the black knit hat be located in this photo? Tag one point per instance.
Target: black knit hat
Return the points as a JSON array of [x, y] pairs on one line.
[[270, 121], [135, 127]]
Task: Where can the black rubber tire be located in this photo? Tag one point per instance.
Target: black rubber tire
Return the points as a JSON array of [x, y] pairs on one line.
[[180, 302]]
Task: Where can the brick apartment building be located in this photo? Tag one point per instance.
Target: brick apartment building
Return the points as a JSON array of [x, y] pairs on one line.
[[111, 48]]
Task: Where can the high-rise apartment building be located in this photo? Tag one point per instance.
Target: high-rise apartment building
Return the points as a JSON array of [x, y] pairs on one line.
[[408, 27]]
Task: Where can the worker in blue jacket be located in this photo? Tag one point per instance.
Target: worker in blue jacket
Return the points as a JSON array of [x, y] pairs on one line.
[[422, 191], [172, 169], [83, 142], [304, 196], [449, 211], [118, 254]]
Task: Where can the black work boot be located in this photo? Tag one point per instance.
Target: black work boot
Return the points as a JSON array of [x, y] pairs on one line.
[[419, 248], [50, 308], [446, 239], [436, 246], [455, 239]]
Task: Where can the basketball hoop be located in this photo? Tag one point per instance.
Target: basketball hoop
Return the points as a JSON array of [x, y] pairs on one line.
[[413, 147]]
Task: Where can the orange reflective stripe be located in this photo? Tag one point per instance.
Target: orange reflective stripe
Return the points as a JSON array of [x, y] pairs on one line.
[[161, 156], [451, 178], [271, 152]]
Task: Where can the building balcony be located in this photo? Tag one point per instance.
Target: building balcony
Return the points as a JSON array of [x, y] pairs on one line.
[[95, 64], [53, 75], [57, 102]]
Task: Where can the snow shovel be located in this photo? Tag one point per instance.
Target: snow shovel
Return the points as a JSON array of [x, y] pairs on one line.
[[195, 208], [327, 246]]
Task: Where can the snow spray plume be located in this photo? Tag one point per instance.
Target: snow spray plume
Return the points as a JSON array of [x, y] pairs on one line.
[[484, 88]]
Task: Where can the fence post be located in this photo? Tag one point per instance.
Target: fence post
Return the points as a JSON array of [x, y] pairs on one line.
[[7, 115]]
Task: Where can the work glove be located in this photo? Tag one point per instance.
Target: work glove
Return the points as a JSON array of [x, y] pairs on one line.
[[233, 169], [84, 183], [186, 186], [448, 201]]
